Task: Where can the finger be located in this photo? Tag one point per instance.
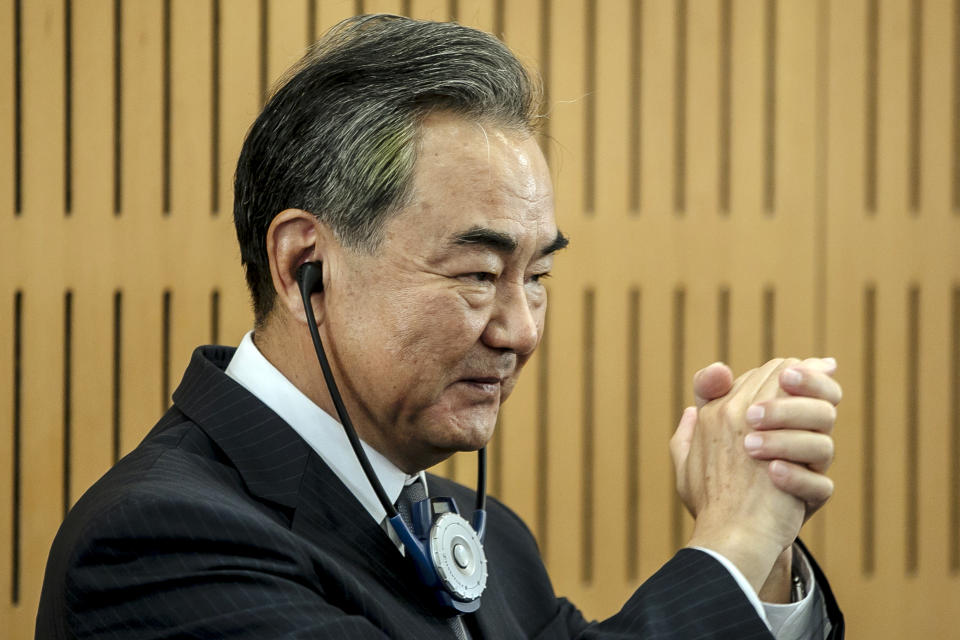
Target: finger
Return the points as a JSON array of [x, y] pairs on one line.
[[813, 450], [827, 365], [682, 437], [812, 383], [802, 483], [771, 388], [750, 384], [793, 412], [713, 381]]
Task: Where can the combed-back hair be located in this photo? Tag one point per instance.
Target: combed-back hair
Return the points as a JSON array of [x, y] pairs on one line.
[[339, 136]]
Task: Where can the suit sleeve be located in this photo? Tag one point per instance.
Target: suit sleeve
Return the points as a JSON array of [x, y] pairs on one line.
[[692, 597], [154, 567]]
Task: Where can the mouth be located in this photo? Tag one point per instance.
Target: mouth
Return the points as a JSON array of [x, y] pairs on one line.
[[485, 385]]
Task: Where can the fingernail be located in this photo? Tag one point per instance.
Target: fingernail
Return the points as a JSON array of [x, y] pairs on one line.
[[792, 377], [777, 468], [830, 363], [755, 413], [753, 442]]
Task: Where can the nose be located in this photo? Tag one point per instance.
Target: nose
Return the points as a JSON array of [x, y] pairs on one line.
[[514, 323]]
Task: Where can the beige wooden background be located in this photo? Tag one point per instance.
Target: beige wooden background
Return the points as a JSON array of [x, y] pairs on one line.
[[740, 178]]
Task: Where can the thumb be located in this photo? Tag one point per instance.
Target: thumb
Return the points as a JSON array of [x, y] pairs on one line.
[[683, 437], [711, 382]]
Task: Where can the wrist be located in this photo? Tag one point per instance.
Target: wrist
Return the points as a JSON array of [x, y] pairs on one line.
[[753, 555]]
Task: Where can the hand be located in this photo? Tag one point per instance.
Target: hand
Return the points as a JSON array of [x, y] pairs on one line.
[[739, 511], [793, 432]]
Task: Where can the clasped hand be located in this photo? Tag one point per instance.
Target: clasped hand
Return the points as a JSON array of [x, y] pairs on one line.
[[750, 458]]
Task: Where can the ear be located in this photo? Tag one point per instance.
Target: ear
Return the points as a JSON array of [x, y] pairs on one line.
[[294, 237]]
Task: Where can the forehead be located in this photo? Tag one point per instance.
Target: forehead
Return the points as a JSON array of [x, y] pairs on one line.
[[468, 175]]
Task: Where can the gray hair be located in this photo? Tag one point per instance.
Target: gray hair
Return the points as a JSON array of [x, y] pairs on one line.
[[339, 137]]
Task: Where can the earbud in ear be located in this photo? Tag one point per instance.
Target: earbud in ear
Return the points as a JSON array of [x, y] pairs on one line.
[[310, 277]]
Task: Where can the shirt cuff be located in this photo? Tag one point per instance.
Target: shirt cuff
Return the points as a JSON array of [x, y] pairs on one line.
[[801, 620]]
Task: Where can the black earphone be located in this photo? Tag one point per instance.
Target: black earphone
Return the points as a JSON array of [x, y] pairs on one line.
[[446, 550]]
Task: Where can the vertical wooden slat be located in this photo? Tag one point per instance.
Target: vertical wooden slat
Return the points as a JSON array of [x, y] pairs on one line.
[[42, 202], [142, 217], [523, 31], [567, 166]]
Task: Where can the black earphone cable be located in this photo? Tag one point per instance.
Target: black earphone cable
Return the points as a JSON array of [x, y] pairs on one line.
[[308, 277]]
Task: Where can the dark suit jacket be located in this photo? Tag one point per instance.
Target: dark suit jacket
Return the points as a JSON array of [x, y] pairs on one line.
[[223, 523]]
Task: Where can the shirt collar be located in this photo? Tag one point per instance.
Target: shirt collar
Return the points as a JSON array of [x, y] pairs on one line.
[[322, 432]]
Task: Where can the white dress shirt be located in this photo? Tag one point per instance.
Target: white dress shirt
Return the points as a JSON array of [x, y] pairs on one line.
[[804, 620]]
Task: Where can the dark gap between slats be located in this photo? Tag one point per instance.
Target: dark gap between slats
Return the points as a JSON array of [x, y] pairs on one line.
[[821, 176], [495, 473], [636, 106], [587, 459], [632, 552], [67, 107], [165, 349], [67, 395], [913, 429], [17, 108], [770, 112], [543, 440], [546, 44], [117, 370], [17, 446], [167, 107], [769, 320], [868, 542], [956, 107], [723, 324], [916, 104], [590, 109], [215, 316], [452, 466], [406, 7], [954, 490], [358, 7], [870, 119], [680, 111], [311, 22], [726, 54], [117, 107], [453, 10], [499, 12], [264, 44], [679, 349], [215, 106]]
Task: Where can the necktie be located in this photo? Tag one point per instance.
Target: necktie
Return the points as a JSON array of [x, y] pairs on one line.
[[410, 495]]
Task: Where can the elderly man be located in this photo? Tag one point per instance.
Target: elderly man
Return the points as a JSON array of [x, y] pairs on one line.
[[392, 200]]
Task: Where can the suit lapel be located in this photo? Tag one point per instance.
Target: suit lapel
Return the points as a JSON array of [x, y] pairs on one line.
[[268, 454]]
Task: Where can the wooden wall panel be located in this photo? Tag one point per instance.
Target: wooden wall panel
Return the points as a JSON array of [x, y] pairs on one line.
[[739, 179]]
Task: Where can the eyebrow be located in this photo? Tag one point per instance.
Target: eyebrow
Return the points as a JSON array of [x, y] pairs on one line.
[[504, 242]]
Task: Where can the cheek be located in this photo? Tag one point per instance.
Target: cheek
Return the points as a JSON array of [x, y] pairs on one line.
[[437, 326]]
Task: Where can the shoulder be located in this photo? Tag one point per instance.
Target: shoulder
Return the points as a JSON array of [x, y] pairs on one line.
[[176, 484]]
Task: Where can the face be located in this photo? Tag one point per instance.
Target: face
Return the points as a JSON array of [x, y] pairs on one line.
[[430, 332]]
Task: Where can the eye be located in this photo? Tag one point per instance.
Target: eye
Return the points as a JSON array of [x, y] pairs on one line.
[[540, 277], [480, 276]]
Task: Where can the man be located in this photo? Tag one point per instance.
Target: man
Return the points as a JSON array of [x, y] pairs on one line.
[[399, 158]]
